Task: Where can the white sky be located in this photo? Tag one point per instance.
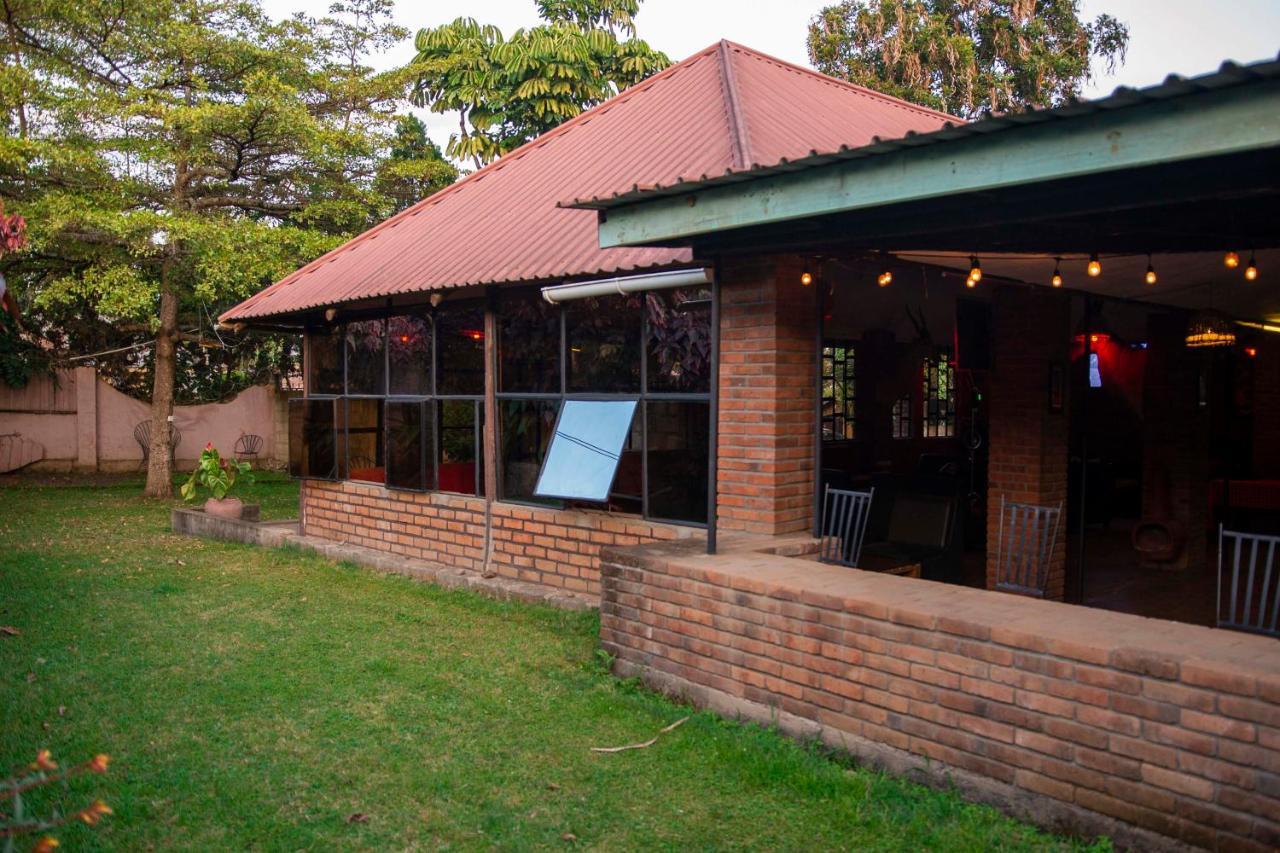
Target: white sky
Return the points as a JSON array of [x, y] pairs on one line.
[[1165, 36]]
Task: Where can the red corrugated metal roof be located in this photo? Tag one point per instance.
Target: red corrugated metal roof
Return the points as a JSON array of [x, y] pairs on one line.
[[724, 109]]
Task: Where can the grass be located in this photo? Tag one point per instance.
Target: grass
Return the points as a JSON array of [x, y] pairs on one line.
[[258, 699]]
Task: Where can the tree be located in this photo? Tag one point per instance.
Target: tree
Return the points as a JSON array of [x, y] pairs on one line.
[[175, 156], [507, 91], [415, 167], [966, 57]]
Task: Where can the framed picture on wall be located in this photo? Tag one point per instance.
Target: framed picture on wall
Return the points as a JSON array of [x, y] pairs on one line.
[[1057, 387]]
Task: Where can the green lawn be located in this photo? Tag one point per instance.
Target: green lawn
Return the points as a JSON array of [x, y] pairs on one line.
[[257, 699]]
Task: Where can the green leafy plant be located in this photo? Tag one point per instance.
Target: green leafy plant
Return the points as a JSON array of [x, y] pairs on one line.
[[216, 474]]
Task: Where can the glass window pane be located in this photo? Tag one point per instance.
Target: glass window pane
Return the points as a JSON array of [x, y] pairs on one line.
[[324, 361], [458, 447], [409, 445], [584, 452], [604, 344], [409, 355], [679, 341], [679, 437], [525, 430], [529, 344], [312, 439], [460, 349], [366, 357], [364, 440]]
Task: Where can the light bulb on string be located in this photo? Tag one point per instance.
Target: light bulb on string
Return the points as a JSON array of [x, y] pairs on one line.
[[885, 279], [975, 269], [1056, 281], [1251, 271], [1095, 266], [806, 277], [1151, 271], [1231, 260]]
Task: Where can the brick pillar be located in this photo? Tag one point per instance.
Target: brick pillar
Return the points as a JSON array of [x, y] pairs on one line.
[[1029, 444], [767, 396], [1175, 429]]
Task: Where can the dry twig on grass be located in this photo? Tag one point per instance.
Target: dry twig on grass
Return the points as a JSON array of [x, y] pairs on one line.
[[650, 742]]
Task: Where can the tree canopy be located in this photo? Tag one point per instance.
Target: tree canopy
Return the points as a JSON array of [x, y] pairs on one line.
[[175, 156], [508, 90], [966, 57]]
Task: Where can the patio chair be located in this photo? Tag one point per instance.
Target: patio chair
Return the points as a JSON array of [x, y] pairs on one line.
[[142, 435], [248, 446], [844, 524], [1252, 600], [1027, 537]]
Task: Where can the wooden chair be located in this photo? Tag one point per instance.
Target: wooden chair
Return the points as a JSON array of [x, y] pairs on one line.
[[142, 435], [1027, 537], [248, 447], [1252, 600], [844, 524]]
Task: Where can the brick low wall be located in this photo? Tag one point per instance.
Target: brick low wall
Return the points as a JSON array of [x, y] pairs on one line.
[[554, 548], [1077, 719]]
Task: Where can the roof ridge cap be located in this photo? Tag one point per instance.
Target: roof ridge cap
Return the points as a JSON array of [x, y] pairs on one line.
[[836, 81], [739, 141]]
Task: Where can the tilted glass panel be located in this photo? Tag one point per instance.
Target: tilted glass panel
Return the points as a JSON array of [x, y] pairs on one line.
[[584, 452], [410, 463], [324, 361], [409, 355], [364, 440], [460, 349], [679, 436], [603, 335], [366, 357], [679, 341]]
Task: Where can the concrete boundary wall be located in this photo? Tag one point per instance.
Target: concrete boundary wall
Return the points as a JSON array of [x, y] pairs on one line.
[[85, 425]]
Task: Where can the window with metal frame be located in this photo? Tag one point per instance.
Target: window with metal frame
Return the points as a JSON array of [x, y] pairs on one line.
[[900, 418], [651, 351], [839, 391], [938, 419], [405, 401]]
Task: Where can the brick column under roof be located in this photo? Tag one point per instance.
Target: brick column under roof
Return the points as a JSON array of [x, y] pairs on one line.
[[767, 396], [1028, 443]]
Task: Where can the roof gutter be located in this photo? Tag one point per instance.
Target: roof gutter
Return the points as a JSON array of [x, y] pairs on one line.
[[558, 293]]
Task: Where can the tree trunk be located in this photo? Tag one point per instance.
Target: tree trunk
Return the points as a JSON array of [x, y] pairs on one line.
[[159, 467]]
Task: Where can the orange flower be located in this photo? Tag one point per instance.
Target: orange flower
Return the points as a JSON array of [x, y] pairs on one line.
[[95, 812], [45, 845], [44, 761], [99, 763]]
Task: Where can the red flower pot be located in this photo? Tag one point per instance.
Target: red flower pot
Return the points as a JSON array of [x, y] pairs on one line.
[[225, 508]]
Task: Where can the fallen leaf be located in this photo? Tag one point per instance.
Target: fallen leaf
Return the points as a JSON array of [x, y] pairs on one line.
[[31, 676], [552, 786], [62, 710], [358, 817], [10, 631], [488, 575], [180, 562], [568, 836], [41, 661], [45, 725]]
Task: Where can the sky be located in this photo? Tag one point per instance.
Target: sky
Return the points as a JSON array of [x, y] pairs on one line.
[[1165, 36]]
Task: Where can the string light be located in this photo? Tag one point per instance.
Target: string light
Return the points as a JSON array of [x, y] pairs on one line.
[[1251, 271], [806, 277], [1056, 281], [885, 279], [1095, 266], [1231, 259], [1151, 271], [975, 269], [970, 282]]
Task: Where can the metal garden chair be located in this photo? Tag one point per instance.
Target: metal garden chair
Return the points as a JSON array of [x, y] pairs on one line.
[[142, 435], [248, 447], [1027, 537], [844, 524], [1252, 600]]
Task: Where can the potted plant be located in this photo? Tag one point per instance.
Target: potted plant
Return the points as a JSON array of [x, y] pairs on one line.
[[219, 476]]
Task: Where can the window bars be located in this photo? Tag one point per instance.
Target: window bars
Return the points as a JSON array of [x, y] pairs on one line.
[[1027, 537], [844, 525], [1252, 602]]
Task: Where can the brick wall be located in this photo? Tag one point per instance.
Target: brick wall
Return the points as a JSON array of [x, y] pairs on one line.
[[1077, 719], [767, 396], [555, 548], [1028, 444]]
